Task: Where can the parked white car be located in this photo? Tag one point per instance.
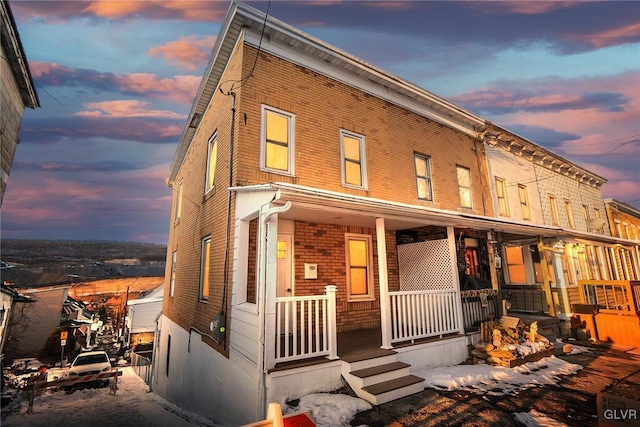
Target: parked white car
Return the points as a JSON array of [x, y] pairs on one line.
[[91, 363]]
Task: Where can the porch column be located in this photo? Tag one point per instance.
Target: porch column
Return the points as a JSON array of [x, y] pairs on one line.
[[385, 310], [453, 257], [556, 262]]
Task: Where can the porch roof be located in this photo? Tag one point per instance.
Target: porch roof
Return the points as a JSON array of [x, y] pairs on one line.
[[322, 206]]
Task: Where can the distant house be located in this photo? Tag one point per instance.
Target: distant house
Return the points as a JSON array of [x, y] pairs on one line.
[[18, 91], [142, 315], [42, 318], [325, 209], [10, 298]]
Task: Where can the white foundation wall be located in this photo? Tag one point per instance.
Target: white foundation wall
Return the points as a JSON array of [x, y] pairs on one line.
[[436, 354], [202, 381], [294, 383]]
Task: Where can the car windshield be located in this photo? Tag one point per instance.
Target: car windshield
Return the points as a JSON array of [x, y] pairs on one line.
[[89, 359]]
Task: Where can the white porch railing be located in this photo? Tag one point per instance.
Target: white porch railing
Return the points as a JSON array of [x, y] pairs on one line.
[[423, 314], [306, 327]]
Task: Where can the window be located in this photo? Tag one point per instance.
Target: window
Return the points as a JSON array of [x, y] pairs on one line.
[[205, 259], [515, 264], [178, 201], [585, 213], [172, 281], [524, 201], [212, 157], [464, 186], [553, 204], [567, 208], [354, 171], [423, 177], [359, 263], [277, 144], [501, 192]]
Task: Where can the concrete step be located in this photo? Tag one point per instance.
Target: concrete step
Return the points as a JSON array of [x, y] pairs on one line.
[[387, 391], [378, 374]]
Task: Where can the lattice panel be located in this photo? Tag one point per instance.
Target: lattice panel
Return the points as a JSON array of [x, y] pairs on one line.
[[425, 266]]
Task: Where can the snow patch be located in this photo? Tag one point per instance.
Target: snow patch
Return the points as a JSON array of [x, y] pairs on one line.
[[498, 380], [534, 418]]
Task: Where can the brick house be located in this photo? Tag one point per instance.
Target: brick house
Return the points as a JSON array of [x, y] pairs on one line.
[[324, 209]]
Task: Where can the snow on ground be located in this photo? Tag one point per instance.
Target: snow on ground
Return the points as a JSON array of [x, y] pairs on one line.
[[498, 380], [134, 405], [576, 349], [330, 410], [131, 406], [534, 418]]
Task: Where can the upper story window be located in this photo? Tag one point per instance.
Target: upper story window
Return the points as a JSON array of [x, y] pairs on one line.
[[354, 169], [178, 211], [172, 281], [501, 193], [524, 201], [277, 141], [205, 261], [464, 186], [212, 158], [585, 213], [553, 205], [423, 177], [359, 259], [569, 212]]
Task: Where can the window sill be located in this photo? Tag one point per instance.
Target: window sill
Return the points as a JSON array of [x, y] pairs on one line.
[[363, 299], [209, 194], [278, 172]]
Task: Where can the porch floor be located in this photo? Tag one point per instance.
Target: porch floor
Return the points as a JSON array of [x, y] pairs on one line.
[[355, 343]]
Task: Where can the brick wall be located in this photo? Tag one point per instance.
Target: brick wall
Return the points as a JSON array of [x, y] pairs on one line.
[[322, 107], [324, 244], [204, 215]]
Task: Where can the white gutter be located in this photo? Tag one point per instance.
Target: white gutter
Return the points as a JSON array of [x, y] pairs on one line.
[[261, 295]]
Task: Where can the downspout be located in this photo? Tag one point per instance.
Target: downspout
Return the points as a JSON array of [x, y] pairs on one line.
[[225, 280], [261, 294]]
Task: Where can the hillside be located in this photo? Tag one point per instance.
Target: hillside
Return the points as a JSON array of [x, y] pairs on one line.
[[37, 263]]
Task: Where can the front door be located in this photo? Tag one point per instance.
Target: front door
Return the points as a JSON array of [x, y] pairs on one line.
[[284, 285]]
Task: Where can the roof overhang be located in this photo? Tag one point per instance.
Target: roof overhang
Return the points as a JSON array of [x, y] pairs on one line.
[[11, 44], [293, 44]]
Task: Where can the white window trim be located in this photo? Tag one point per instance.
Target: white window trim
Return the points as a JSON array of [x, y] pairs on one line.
[[502, 183], [202, 297], [291, 142], [525, 207], [370, 276], [469, 187], [213, 140], [172, 278], [427, 159], [363, 160]]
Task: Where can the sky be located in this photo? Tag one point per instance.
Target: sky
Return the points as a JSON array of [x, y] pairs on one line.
[[116, 80], [133, 404]]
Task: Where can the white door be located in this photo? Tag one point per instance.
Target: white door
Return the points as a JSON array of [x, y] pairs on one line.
[[284, 285]]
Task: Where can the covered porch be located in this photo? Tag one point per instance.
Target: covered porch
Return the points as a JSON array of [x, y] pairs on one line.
[[415, 273]]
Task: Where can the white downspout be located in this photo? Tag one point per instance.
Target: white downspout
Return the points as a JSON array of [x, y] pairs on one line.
[[265, 214]]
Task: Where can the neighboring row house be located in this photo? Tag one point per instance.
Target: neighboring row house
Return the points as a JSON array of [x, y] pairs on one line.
[[17, 91], [324, 208]]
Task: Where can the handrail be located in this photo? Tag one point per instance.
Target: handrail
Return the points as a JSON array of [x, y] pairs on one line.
[[423, 314]]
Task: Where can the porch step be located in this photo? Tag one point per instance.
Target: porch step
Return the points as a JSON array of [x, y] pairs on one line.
[[395, 389], [378, 377]]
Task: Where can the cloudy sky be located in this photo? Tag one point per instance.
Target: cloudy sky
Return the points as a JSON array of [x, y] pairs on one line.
[[116, 80]]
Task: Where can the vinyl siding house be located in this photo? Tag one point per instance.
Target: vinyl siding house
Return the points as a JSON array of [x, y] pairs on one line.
[[17, 91], [582, 262], [327, 216]]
